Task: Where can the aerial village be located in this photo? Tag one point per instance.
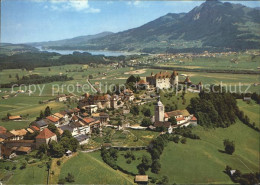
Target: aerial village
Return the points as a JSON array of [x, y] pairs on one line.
[[92, 114]]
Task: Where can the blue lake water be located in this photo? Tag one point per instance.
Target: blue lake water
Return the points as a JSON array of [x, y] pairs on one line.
[[67, 52]]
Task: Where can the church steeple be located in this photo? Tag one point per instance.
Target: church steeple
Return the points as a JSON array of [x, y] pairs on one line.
[[159, 111]]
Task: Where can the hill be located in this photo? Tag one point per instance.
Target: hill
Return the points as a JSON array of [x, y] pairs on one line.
[[72, 41], [212, 26]]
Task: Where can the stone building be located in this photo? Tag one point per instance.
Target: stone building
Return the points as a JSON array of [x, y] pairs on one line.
[[163, 80]]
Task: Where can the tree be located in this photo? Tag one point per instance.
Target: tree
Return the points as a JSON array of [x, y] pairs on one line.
[[131, 79], [134, 110], [146, 112], [70, 178], [156, 166], [146, 122], [47, 111], [23, 166], [146, 162], [183, 140], [56, 149], [173, 120], [10, 76], [155, 153], [90, 76], [17, 76], [229, 146]]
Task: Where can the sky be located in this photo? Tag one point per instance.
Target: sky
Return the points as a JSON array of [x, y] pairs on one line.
[[45, 20]]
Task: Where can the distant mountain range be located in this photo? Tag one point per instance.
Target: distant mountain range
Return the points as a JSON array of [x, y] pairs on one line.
[[212, 26]]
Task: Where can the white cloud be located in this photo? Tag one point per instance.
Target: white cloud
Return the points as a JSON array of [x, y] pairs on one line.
[[137, 3], [70, 5]]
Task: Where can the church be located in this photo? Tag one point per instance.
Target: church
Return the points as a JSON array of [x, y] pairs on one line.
[[163, 80], [183, 117]]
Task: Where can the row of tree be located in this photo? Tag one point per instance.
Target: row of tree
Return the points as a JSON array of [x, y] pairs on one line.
[[36, 79]]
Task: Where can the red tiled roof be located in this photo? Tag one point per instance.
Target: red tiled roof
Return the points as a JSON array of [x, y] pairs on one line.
[[180, 119], [35, 128], [45, 134], [88, 120], [193, 118], [163, 75], [53, 119], [166, 115], [74, 118], [2, 130]]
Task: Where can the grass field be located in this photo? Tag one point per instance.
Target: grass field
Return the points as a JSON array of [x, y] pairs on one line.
[[26, 106], [201, 161], [88, 168], [251, 110], [31, 175], [35, 173]]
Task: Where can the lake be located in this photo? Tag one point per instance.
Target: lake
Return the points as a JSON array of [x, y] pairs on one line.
[[67, 52]]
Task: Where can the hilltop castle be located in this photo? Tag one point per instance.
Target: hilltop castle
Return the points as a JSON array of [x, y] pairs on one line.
[[163, 80]]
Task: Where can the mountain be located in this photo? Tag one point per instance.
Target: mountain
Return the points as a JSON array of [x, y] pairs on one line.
[[212, 26], [72, 41]]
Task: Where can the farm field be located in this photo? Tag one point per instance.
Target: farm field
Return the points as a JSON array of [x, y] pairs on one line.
[[27, 106], [88, 168], [201, 161], [240, 61], [251, 110]]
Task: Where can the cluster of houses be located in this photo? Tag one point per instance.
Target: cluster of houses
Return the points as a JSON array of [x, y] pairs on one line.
[[106, 101], [79, 122]]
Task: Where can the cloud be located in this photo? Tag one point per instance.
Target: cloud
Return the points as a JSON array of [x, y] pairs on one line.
[[70, 5], [133, 3]]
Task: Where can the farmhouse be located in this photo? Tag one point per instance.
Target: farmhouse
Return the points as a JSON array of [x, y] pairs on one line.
[[18, 134], [14, 117], [141, 179], [44, 137]]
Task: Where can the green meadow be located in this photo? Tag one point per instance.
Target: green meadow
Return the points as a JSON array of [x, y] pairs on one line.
[[202, 161], [250, 109], [89, 168]]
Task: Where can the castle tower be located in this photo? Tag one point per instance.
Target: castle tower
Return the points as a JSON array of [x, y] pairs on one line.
[[159, 111], [174, 78]]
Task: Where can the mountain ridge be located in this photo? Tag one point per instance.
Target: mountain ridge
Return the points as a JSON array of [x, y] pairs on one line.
[[212, 26]]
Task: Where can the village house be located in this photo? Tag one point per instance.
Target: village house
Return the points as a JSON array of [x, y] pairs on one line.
[[90, 108], [102, 117], [14, 118], [10, 149], [141, 179], [18, 134], [41, 124], [5, 97], [45, 137], [54, 120], [6, 136], [62, 98]]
